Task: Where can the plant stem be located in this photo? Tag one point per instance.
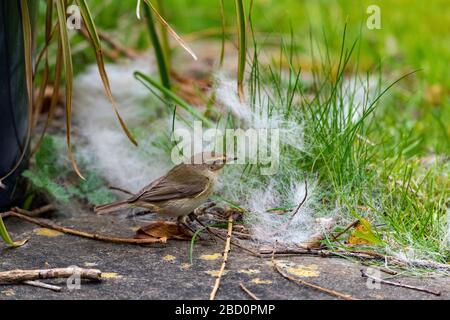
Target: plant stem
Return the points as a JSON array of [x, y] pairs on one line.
[[240, 15], [165, 37], [159, 53]]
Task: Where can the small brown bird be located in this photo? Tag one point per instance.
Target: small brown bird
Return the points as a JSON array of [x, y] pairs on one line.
[[179, 192]]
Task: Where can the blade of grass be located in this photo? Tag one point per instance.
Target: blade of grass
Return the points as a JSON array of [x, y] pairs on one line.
[[90, 26], [68, 69], [165, 37], [176, 99], [171, 31], [191, 246], [159, 52], [6, 238], [240, 16], [222, 48], [55, 95], [48, 36]]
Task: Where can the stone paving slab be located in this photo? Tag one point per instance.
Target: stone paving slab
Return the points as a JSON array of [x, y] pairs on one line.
[[162, 271]]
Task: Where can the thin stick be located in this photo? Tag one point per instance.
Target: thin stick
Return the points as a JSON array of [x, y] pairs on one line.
[[311, 285], [398, 284], [18, 275], [247, 291], [209, 229], [383, 269], [225, 258], [121, 190], [301, 203], [36, 212], [359, 254], [348, 227], [84, 234], [43, 285]]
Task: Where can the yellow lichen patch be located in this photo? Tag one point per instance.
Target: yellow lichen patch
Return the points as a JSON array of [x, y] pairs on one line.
[[299, 270], [215, 273], [210, 257], [249, 271], [47, 232], [304, 271], [8, 292], [169, 258], [259, 281], [111, 275]]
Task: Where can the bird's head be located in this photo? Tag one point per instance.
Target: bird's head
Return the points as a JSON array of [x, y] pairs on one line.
[[210, 160]]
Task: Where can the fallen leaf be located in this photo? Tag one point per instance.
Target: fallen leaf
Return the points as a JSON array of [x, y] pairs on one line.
[[213, 256], [169, 258], [110, 275], [249, 271], [363, 234], [312, 243], [163, 230], [186, 266], [259, 281], [47, 232], [215, 273]]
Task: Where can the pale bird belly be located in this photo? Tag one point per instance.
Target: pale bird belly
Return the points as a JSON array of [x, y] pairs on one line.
[[181, 207]]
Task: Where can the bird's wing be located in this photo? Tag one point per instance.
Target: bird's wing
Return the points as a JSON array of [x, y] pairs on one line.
[[169, 187]]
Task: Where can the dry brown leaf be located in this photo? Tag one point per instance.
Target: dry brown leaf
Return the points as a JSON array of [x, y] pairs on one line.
[[163, 230], [312, 243]]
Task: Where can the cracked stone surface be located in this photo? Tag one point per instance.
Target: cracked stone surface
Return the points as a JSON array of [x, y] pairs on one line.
[[163, 271]]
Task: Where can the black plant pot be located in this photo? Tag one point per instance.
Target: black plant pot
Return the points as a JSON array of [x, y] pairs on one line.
[[13, 98]]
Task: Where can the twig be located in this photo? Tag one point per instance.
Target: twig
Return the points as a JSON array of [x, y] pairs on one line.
[[247, 291], [235, 233], [84, 234], [121, 190], [398, 284], [36, 212], [383, 269], [130, 54], [359, 254], [348, 227], [311, 285], [18, 275], [43, 285], [225, 258], [32, 213], [209, 229], [301, 203]]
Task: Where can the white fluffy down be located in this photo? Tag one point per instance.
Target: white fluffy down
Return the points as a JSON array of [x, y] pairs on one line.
[[107, 148]]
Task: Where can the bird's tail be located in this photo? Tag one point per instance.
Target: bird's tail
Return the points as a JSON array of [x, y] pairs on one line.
[[112, 207]]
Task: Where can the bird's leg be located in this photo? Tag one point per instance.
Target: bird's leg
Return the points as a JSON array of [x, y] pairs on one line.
[[181, 220], [193, 216]]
